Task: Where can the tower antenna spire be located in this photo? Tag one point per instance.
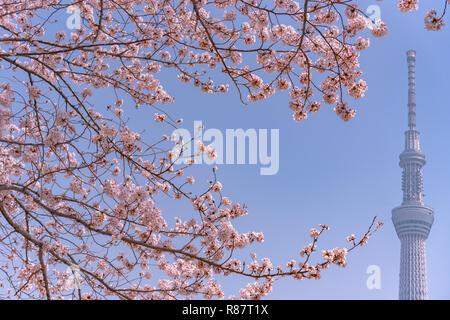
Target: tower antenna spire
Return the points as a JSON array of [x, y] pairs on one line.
[[411, 58]]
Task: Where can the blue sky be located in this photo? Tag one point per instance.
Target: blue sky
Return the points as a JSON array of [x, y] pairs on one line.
[[336, 173], [332, 172]]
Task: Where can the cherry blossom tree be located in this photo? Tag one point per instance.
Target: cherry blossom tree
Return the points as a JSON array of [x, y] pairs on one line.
[[78, 215]]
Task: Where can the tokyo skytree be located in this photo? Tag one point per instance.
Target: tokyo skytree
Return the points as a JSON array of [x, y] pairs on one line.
[[412, 219]]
